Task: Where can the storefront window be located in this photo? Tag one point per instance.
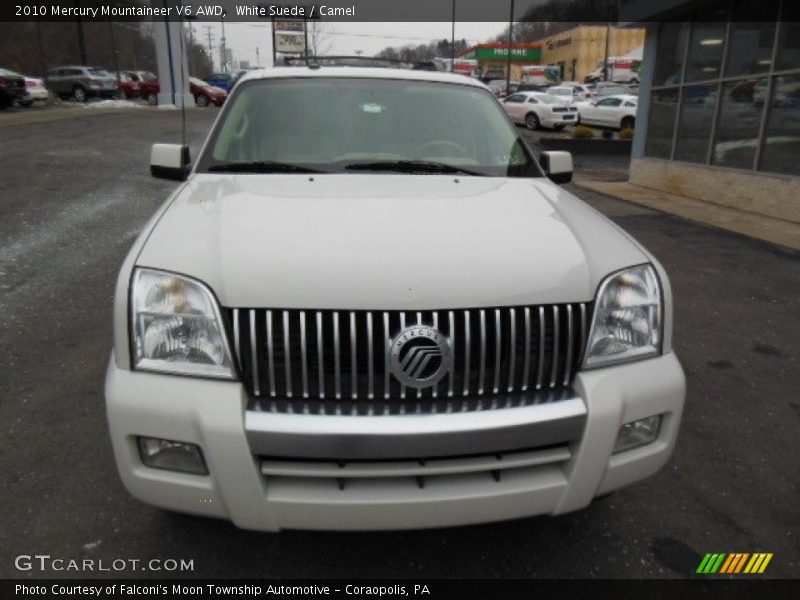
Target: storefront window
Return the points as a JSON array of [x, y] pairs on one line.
[[694, 127], [789, 40], [781, 152], [736, 118], [752, 37], [739, 121], [706, 44], [663, 105], [669, 59]]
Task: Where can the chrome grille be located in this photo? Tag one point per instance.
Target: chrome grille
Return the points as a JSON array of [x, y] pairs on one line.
[[343, 356]]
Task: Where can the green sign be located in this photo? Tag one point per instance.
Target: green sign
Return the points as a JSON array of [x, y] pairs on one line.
[[519, 54]]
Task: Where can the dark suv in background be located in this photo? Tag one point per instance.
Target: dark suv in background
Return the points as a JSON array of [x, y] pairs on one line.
[[12, 88], [82, 83]]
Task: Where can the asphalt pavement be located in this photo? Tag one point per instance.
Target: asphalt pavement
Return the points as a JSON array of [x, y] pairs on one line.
[[75, 193]]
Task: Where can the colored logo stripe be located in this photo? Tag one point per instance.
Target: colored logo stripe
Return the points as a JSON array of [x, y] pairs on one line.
[[734, 562]]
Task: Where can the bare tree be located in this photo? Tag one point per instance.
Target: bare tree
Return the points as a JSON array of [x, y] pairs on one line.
[[320, 37]]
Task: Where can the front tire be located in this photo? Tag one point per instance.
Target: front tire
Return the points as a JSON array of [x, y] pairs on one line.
[[79, 94], [627, 123], [152, 99], [201, 100], [532, 121]]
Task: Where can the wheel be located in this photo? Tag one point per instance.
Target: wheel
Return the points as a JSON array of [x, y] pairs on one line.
[[201, 100], [4, 104], [152, 99], [558, 127], [627, 123], [122, 95], [26, 103], [633, 81], [79, 93], [532, 121]]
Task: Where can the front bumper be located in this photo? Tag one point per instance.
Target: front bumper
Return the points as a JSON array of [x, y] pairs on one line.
[[269, 495]]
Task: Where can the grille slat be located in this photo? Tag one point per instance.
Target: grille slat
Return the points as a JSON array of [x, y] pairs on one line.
[[325, 357]]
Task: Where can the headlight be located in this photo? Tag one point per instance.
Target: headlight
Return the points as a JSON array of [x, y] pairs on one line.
[[627, 318], [176, 326]]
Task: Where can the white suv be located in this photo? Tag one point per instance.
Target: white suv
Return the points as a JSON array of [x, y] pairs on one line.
[[369, 307]]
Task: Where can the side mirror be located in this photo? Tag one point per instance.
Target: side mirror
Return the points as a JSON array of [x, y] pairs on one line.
[[557, 165], [170, 161]]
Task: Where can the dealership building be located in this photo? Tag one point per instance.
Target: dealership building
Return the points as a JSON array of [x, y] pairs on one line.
[[719, 109], [580, 50]]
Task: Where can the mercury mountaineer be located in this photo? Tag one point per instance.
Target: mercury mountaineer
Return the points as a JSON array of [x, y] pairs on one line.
[[368, 306]]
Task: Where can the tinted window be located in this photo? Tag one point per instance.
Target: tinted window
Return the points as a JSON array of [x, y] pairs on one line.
[[610, 102], [705, 46], [752, 37], [789, 40], [781, 151], [694, 125], [738, 123], [515, 99], [669, 56], [663, 104]]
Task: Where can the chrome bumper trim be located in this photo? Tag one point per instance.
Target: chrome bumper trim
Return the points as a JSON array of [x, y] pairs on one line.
[[414, 435]]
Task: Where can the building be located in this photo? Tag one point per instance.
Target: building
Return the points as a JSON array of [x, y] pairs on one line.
[[493, 58], [579, 51], [719, 103]]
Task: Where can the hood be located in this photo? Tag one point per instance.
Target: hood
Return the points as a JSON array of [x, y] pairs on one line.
[[384, 242]]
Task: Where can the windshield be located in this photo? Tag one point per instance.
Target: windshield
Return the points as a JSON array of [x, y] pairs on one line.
[[101, 72], [560, 91], [340, 124]]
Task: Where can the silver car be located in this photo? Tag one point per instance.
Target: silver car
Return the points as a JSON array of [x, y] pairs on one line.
[[81, 82]]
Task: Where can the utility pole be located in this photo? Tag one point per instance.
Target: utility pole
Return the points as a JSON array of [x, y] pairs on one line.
[[81, 41], [510, 41], [114, 50], [223, 63], [453, 39], [608, 39], [210, 45]]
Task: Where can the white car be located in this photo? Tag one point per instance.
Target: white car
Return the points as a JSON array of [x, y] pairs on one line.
[[570, 92], [34, 90], [537, 109], [618, 112], [383, 315]]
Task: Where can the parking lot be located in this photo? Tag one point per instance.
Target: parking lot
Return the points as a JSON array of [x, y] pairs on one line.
[[76, 192]]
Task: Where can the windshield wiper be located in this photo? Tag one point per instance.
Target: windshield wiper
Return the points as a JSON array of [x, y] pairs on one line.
[[409, 166], [261, 166]]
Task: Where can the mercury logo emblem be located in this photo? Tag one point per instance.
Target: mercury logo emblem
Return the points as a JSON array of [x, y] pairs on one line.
[[420, 356]]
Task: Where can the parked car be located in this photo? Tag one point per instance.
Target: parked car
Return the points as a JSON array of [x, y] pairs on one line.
[[148, 85], [383, 315], [205, 94], [536, 109], [618, 112], [579, 90], [527, 87], [35, 90], [568, 94], [224, 81], [128, 86], [12, 88], [82, 82], [498, 87]]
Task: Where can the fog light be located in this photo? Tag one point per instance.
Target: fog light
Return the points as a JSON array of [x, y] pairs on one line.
[[637, 433], [172, 456]]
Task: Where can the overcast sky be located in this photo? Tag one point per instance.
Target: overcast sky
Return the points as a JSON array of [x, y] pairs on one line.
[[345, 37]]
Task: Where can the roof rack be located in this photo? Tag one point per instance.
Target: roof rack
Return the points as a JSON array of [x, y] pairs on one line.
[[354, 61]]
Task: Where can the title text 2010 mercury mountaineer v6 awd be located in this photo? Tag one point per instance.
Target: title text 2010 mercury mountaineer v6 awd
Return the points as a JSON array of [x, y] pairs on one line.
[[369, 307]]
